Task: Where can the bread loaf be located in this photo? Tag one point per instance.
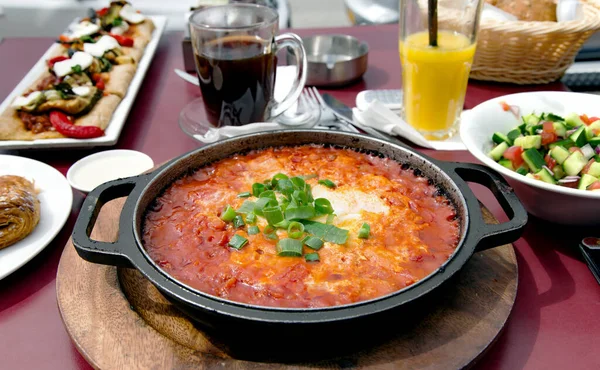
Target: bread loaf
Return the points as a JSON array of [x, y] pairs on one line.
[[528, 10]]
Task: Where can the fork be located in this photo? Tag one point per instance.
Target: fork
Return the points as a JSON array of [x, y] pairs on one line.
[[328, 118], [307, 113]]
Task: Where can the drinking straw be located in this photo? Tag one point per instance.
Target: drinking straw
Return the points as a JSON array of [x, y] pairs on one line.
[[433, 22]]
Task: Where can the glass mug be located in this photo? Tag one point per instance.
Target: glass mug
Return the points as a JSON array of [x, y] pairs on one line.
[[434, 78], [235, 47]]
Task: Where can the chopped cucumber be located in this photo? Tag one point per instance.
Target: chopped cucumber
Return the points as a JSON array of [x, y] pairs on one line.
[[531, 119], [595, 125], [559, 173], [578, 137], [594, 142], [497, 152], [506, 163], [500, 138], [546, 176], [533, 130], [594, 169], [522, 128], [534, 160], [526, 142], [566, 143], [574, 164], [552, 117], [589, 133], [560, 129], [513, 134], [572, 120], [559, 154], [522, 171], [585, 181], [530, 175]]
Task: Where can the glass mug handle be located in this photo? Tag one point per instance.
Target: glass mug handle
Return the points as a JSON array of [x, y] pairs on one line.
[[293, 42]]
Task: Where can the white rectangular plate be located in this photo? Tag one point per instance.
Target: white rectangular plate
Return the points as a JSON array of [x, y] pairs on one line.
[[112, 132]]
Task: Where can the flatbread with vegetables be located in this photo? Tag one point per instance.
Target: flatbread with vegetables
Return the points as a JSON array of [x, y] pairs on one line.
[[85, 81]]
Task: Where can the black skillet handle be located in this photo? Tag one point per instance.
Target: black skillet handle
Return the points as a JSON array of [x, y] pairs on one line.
[[491, 235], [108, 253]]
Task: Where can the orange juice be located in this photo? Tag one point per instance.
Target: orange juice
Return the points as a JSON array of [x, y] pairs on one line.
[[435, 81]]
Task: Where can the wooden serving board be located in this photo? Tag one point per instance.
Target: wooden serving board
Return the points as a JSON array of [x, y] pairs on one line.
[[118, 320]]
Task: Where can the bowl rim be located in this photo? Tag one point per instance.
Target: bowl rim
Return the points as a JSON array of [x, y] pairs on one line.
[[468, 123]]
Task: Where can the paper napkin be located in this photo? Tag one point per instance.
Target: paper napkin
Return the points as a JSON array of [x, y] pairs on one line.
[[379, 117]]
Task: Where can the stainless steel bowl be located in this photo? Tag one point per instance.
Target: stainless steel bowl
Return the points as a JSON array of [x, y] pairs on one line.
[[335, 60]]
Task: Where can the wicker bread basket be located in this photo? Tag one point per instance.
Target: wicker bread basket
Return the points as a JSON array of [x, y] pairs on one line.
[[531, 52]]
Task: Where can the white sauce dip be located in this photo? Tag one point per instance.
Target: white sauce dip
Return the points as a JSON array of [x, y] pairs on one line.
[[96, 169]]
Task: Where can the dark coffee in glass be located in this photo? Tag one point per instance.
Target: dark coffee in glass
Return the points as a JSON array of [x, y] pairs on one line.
[[235, 48]]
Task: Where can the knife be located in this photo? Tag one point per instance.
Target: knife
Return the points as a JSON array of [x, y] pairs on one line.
[[344, 113], [590, 249]]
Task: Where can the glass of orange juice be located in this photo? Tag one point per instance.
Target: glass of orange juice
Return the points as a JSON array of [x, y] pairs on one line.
[[434, 78]]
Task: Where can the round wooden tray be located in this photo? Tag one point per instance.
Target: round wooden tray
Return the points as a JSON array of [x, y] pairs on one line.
[[117, 319]]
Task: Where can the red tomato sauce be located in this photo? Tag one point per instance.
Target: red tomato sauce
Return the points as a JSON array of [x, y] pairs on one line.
[[185, 236]]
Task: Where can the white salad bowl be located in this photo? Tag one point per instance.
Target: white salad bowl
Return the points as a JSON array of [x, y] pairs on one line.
[[547, 201]]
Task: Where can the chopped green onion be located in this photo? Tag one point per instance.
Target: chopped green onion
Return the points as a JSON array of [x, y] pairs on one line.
[[329, 233], [311, 176], [76, 68], [273, 215], [285, 187], [298, 183], [308, 191], [289, 248], [323, 206], [283, 224], [295, 230], [228, 214], [238, 222], [260, 204], [257, 188], [269, 232], [328, 183], [245, 194], [313, 242], [268, 194], [277, 177], [299, 213], [246, 207], [364, 231], [311, 257], [300, 197], [250, 218], [253, 230], [330, 218], [237, 241]]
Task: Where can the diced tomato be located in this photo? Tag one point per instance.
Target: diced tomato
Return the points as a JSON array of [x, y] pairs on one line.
[[548, 137], [550, 162], [594, 119], [59, 58], [123, 40], [585, 119], [587, 166], [505, 106], [574, 149], [594, 186], [514, 155], [97, 78], [102, 12], [548, 126]]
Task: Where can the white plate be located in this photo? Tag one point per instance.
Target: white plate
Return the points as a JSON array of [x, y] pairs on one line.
[[56, 198], [111, 135]]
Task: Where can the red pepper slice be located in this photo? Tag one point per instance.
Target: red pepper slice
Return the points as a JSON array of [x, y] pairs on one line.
[[63, 124], [585, 119], [97, 77], [123, 40], [59, 58], [102, 12]]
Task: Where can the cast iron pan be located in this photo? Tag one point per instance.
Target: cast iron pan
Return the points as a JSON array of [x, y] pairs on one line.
[[242, 325]]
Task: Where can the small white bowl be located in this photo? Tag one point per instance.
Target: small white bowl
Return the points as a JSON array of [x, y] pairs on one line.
[[550, 202], [96, 169]]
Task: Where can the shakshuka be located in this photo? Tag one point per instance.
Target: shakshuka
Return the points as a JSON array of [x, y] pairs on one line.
[[306, 226]]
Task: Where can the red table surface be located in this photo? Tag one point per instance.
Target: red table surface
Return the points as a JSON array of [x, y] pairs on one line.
[[555, 321]]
